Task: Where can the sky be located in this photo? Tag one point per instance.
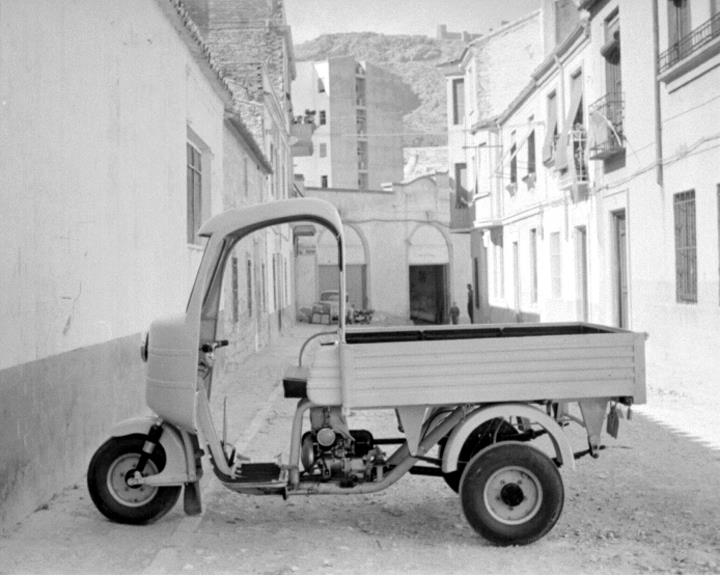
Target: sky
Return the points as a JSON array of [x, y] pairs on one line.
[[311, 18]]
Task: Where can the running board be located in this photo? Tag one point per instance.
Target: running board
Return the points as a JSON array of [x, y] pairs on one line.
[[258, 478]]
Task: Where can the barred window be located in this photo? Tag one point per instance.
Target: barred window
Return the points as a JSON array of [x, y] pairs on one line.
[[685, 247]]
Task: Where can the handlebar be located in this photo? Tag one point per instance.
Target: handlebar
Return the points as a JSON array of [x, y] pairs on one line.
[[210, 347]]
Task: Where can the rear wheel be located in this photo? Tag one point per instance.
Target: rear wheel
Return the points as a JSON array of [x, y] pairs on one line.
[[511, 493], [111, 466], [490, 432]]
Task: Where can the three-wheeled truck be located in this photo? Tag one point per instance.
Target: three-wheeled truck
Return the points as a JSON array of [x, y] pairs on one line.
[[482, 406]]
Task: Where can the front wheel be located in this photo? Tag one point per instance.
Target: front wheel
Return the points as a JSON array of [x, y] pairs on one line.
[[109, 469], [511, 494]]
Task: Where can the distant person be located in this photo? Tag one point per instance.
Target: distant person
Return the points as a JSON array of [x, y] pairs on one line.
[[454, 313], [470, 307]]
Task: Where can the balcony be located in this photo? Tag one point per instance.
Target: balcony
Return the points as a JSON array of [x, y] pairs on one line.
[[691, 50], [607, 137], [576, 177]]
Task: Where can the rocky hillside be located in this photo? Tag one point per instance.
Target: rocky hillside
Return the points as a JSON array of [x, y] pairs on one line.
[[414, 59]]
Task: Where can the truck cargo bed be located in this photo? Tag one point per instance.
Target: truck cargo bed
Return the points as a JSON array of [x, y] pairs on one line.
[[406, 366]]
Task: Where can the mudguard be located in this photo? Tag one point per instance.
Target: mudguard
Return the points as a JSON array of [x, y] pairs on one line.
[[563, 449], [178, 469]]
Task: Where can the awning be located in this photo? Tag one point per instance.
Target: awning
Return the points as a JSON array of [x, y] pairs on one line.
[[561, 157]]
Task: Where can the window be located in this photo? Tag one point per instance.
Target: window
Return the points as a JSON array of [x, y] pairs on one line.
[[555, 265], [533, 266], [360, 91], [234, 284], [323, 149], [361, 121], [194, 193], [513, 163], [323, 181], [362, 181], [551, 136], [362, 155], [323, 117], [685, 247], [678, 27], [458, 100], [531, 152]]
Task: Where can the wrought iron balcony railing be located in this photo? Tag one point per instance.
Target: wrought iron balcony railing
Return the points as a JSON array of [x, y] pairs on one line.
[[690, 44], [607, 116]]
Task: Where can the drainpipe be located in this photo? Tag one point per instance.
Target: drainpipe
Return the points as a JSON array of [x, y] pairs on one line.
[[561, 116], [659, 174]]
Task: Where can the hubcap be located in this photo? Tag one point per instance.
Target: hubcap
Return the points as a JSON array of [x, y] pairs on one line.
[[120, 470], [513, 495]]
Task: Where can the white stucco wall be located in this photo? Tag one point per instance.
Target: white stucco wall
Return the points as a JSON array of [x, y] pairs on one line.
[[98, 101], [95, 108]]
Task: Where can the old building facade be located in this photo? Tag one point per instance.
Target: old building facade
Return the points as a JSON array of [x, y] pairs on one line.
[[357, 124], [116, 146], [597, 196]]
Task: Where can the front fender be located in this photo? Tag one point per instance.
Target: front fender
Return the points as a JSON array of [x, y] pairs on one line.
[[460, 433], [178, 470]]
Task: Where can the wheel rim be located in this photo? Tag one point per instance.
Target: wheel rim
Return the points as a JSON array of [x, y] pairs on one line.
[[513, 495], [132, 496]]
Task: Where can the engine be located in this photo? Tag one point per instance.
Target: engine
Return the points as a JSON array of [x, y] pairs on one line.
[[333, 452]]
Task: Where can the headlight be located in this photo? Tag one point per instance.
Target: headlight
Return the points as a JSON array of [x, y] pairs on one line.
[[144, 344]]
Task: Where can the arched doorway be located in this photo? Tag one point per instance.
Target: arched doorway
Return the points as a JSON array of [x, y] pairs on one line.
[[355, 266], [428, 259]]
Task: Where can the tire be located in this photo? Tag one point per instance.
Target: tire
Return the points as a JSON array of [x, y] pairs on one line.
[[113, 497], [511, 493]]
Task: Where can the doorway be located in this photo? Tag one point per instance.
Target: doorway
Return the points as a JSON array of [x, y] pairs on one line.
[[428, 300]]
